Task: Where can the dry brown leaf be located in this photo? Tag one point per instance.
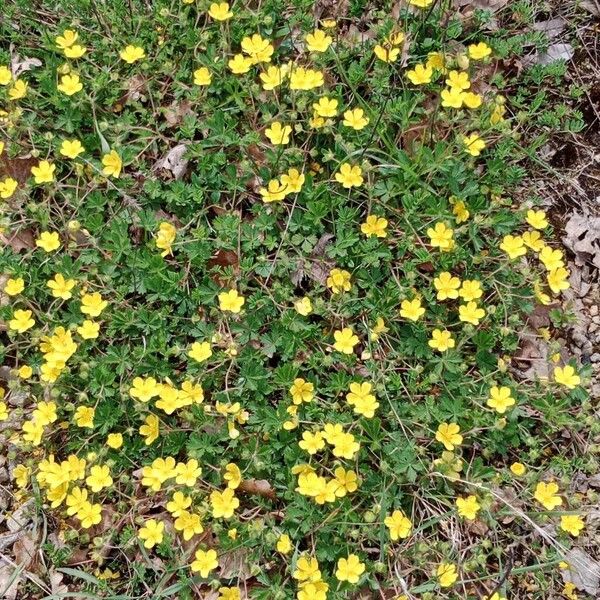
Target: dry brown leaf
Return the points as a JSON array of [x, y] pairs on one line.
[[259, 487], [174, 161], [583, 239], [583, 571], [9, 582], [25, 550], [234, 565], [18, 240]]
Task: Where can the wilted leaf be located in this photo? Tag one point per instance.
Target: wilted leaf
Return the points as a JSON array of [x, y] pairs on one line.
[[174, 161], [583, 571], [260, 487], [9, 582], [583, 239], [234, 565]]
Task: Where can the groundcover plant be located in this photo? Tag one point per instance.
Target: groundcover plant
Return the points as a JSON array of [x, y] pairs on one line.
[[263, 280]]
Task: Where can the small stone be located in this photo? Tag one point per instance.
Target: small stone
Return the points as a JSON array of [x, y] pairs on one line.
[[595, 357], [594, 310]]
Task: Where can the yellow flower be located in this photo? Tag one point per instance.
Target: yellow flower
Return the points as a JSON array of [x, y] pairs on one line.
[[355, 119], [345, 447], [452, 97], [21, 321], [45, 413], [533, 240], [567, 376], [537, 219], [360, 397], [200, 351], [441, 340], [99, 478], [570, 591], [8, 187], [75, 51], [473, 144], [513, 245], [71, 148], [420, 3], [202, 76], [231, 301], [284, 544], [70, 84], [437, 61], [278, 134], [92, 304], [89, 330], [48, 241], [399, 525], [375, 226], [131, 54], [273, 77], [312, 442], [25, 372], [84, 416], [305, 79], [326, 107], [303, 306], [446, 574], [112, 164], [449, 435], [89, 514], [411, 309], [470, 290], [21, 475], [206, 561], [458, 80], [518, 469], [293, 181], [349, 176], [5, 75], [188, 523], [339, 281], [67, 39], [302, 391], [165, 238], [259, 49], [345, 340], [479, 51], [468, 507], [420, 75], [13, 287], [152, 533], [240, 64], [446, 285], [144, 389], [572, 524], [470, 313], [274, 192], [223, 503], [307, 569], [349, 569], [220, 11], [440, 236], [43, 172], [18, 90], [3, 411], [150, 429], [558, 280], [33, 432], [318, 41], [500, 399], [178, 504], [114, 440], [388, 55], [546, 495], [472, 100], [61, 287]]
